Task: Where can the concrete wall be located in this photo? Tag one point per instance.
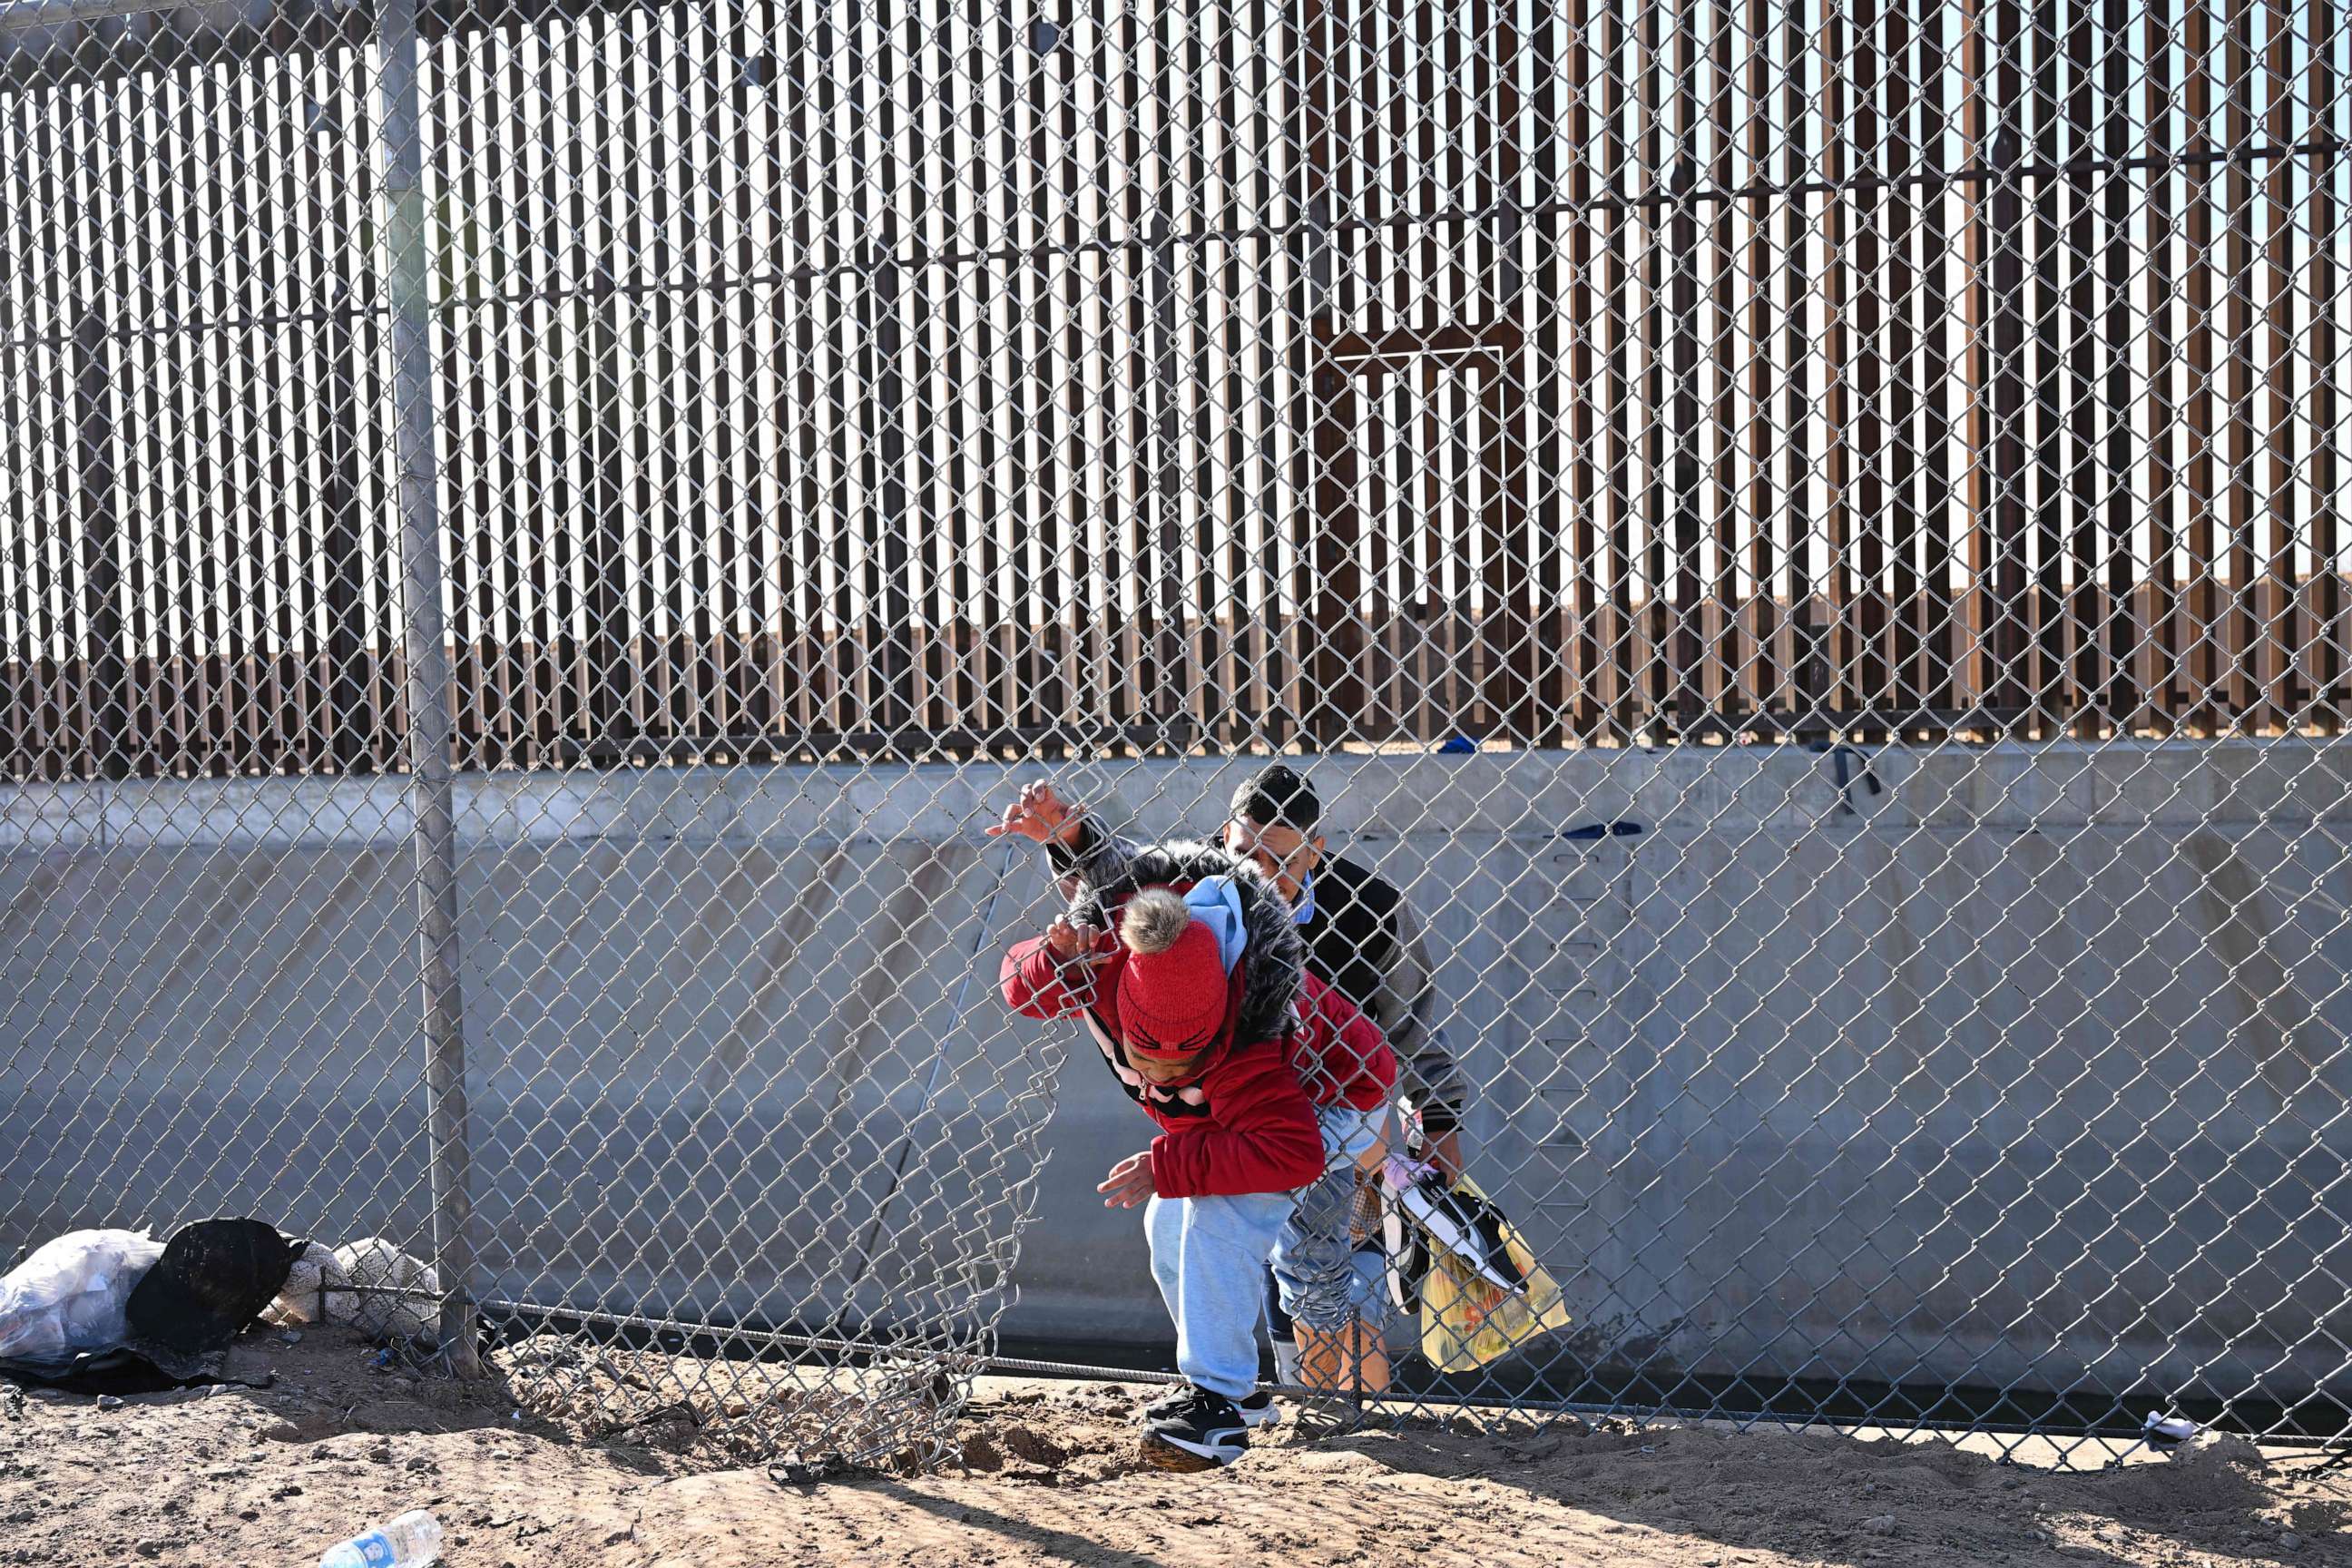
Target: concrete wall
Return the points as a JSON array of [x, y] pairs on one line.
[[1973, 1065]]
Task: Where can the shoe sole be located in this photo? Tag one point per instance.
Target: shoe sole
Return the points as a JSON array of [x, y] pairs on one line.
[[1167, 1454]]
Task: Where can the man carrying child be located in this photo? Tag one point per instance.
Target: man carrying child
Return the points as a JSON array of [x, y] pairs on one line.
[[1268, 1089], [1365, 942]]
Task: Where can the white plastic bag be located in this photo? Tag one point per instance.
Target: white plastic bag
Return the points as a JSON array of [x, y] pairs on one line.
[[303, 1301], [67, 1296], [378, 1268]]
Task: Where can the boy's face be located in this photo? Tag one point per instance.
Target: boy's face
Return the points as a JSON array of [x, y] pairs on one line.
[[1166, 1071], [1282, 852]]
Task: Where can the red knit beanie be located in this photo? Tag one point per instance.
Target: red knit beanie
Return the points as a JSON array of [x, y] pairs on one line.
[[1173, 988]]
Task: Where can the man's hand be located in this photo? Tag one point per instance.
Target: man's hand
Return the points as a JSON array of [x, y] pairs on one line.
[[1445, 1152], [1128, 1184], [1042, 815]]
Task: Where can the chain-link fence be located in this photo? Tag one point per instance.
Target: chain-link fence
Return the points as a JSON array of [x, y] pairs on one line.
[[1806, 539]]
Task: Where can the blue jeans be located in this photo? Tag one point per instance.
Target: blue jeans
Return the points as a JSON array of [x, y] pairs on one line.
[[1209, 1254], [1317, 1275]]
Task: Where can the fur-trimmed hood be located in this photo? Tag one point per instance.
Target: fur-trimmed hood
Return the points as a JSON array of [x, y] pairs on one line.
[[1275, 954]]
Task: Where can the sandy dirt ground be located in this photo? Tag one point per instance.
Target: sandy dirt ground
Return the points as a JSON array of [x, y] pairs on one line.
[[268, 1477]]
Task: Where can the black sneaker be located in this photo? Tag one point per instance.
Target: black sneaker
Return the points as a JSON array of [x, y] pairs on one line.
[[1198, 1431], [1257, 1406]]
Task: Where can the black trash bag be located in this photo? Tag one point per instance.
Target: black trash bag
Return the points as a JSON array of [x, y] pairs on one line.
[[115, 1370], [215, 1277]]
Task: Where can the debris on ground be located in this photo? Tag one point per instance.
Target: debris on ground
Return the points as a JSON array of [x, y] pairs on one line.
[[301, 1300], [97, 1305], [724, 1412], [382, 1290], [67, 1298], [214, 1277], [1040, 1474], [116, 1311]]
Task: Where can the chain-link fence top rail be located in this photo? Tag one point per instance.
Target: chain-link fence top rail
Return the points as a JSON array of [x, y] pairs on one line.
[[867, 386]]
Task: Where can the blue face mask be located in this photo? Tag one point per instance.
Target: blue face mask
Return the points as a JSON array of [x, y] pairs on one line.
[[1304, 910]]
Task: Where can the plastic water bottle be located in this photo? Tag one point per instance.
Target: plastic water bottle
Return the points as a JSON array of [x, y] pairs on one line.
[[412, 1540]]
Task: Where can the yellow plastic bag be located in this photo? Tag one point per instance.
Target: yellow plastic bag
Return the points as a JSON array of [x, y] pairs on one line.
[[1466, 1322]]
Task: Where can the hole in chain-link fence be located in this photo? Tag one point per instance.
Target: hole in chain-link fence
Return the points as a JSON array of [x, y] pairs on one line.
[[1804, 541]]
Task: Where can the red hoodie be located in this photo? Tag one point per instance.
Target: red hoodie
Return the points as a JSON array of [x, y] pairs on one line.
[[1245, 1123]]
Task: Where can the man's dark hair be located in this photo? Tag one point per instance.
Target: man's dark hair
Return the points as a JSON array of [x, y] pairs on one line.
[[1279, 797]]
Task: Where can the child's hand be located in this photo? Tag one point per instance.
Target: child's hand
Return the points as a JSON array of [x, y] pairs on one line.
[[1041, 815], [1128, 1184], [1069, 939]]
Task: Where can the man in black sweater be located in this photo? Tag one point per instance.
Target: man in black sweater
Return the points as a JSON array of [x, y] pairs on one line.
[[1362, 939]]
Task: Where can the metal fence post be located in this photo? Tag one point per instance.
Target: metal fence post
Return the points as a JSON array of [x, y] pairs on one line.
[[426, 661], [1167, 710]]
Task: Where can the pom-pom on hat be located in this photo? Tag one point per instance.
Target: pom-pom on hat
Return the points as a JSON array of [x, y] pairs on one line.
[[1173, 989]]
